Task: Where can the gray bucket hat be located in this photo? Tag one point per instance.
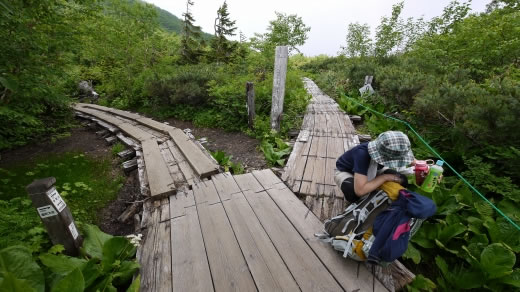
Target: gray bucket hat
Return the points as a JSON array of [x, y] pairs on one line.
[[391, 149]]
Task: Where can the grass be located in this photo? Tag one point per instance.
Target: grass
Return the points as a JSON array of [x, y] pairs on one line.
[[118, 147], [86, 185]]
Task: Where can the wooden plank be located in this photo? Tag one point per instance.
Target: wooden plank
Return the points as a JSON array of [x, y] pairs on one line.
[[202, 165], [135, 132], [173, 166], [158, 126], [180, 201], [160, 181], [344, 271], [190, 267], [267, 267], [306, 268], [228, 267], [225, 185], [101, 115], [186, 169], [156, 271], [247, 183]]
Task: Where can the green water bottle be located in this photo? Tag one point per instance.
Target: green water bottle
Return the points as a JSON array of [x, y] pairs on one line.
[[431, 180]]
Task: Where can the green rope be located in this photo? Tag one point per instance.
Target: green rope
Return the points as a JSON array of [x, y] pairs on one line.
[[438, 156]]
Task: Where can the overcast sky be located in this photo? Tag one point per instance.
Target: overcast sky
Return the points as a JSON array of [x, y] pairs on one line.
[[328, 19]]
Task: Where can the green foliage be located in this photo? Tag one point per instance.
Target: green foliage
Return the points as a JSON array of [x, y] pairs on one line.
[[275, 149], [85, 184], [191, 44], [285, 30], [224, 160], [118, 147], [359, 43], [19, 271], [108, 262], [222, 48]]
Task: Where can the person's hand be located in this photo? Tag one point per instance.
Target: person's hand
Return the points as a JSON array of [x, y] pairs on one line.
[[393, 178]]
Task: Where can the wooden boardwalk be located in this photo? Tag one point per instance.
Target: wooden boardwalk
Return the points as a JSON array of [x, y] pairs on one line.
[[243, 233], [210, 231], [326, 133]]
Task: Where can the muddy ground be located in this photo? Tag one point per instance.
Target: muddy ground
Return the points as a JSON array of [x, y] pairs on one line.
[[244, 149]]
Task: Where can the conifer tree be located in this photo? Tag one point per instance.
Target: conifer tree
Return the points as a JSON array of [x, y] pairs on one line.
[[222, 47], [191, 49]]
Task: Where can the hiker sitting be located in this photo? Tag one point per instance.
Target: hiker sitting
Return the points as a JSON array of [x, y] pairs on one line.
[[361, 169]]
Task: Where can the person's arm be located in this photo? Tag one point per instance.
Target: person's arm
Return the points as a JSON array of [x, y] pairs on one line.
[[362, 186]]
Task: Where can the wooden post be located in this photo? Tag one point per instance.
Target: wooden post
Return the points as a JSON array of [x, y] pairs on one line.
[[55, 214], [280, 71], [250, 93]]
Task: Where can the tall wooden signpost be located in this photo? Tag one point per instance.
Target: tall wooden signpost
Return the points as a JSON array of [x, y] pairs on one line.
[[280, 72], [55, 214]]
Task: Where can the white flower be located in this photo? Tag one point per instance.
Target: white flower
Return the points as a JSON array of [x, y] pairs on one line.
[[135, 239]]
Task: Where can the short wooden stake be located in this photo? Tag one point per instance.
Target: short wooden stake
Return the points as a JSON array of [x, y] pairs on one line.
[[280, 72], [55, 214], [250, 93]]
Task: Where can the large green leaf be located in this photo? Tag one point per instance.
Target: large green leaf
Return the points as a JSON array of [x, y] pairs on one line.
[[450, 231], [73, 282], [61, 264], [497, 260], [503, 231], [421, 283], [10, 283], [115, 251], [104, 285], [94, 241], [125, 272], [134, 287], [18, 261], [513, 279], [91, 271], [413, 254]]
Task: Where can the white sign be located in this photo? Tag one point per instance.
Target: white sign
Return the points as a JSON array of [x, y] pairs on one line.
[[56, 199], [73, 230], [47, 211]]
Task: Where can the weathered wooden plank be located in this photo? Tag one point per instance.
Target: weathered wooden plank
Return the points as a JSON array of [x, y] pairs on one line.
[[190, 267], [245, 183], [180, 201], [267, 267], [161, 183], [135, 132], [304, 265], [172, 165], [186, 169], [156, 271], [101, 115], [228, 267], [202, 165], [158, 126], [225, 185], [344, 271]]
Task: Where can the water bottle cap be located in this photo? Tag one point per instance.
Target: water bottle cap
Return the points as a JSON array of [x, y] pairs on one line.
[[440, 162]]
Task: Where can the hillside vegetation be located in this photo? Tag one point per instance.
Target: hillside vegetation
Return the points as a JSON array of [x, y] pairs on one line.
[[456, 79]]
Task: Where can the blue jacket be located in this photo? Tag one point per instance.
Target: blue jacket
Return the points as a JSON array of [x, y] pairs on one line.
[[392, 227]]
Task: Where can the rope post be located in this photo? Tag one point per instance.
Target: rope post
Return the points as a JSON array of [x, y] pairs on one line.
[[280, 72], [250, 93], [55, 214]]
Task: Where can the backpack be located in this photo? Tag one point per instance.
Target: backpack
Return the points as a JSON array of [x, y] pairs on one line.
[[351, 231]]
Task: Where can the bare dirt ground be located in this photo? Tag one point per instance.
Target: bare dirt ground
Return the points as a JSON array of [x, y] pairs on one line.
[[244, 149]]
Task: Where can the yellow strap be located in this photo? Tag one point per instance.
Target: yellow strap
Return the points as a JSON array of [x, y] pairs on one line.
[[391, 189]]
